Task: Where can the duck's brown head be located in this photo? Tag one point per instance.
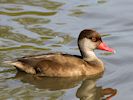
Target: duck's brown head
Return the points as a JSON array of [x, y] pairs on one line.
[[92, 40]]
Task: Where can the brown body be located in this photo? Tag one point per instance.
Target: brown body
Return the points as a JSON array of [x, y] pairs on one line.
[[58, 65]]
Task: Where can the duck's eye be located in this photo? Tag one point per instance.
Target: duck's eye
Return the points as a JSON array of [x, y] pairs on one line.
[[93, 39]]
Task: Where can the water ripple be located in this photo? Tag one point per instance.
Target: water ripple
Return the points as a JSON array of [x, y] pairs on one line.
[[27, 13]]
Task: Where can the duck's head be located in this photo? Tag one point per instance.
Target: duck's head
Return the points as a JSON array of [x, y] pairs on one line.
[[89, 40]]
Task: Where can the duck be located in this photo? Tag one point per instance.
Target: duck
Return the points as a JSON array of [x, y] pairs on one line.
[[66, 65]]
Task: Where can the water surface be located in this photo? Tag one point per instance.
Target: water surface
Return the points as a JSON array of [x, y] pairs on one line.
[[37, 26]]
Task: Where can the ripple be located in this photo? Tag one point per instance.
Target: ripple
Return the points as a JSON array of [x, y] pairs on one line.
[[76, 13], [28, 13], [43, 31], [32, 20], [22, 47], [6, 33], [66, 39], [47, 4]]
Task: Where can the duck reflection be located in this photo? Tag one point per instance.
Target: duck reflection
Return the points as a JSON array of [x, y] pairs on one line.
[[87, 91]]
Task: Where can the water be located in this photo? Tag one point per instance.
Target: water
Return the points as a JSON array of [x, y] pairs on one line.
[[37, 26]]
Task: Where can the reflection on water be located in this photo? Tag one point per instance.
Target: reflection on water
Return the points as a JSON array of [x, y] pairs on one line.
[[40, 26], [88, 90]]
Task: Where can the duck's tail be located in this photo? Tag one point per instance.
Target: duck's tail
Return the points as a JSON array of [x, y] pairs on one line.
[[21, 65], [11, 62]]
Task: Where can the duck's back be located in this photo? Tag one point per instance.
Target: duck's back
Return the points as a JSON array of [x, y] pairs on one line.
[[55, 64]]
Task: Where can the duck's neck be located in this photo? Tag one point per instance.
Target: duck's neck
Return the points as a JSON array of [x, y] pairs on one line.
[[88, 55], [86, 50]]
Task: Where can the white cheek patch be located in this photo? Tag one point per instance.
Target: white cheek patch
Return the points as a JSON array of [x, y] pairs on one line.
[[87, 43]]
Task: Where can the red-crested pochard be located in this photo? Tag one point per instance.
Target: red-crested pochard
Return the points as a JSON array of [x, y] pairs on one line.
[[65, 65]]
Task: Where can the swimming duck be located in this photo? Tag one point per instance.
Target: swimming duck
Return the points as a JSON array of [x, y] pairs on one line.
[[65, 65]]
